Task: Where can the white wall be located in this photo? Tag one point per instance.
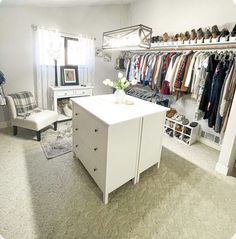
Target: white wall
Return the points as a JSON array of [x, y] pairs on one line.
[[175, 16], [16, 42]]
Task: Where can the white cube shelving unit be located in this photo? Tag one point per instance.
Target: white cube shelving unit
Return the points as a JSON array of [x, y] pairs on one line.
[[183, 133]]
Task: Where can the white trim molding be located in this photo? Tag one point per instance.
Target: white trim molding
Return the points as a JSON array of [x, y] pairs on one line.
[[234, 236], [222, 169]]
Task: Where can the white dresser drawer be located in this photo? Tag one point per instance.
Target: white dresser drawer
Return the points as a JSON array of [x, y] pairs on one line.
[[91, 131], [94, 165], [86, 117], [62, 93], [97, 148], [82, 92]]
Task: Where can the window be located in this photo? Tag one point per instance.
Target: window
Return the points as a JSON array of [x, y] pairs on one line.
[[67, 50], [71, 51]]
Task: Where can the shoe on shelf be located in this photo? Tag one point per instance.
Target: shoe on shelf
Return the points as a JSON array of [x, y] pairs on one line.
[[193, 35], [186, 36], [233, 33], [224, 33], [176, 37], [207, 34], [170, 113], [194, 124], [185, 121], [200, 34], [181, 37], [67, 111], [215, 31], [176, 115], [155, 39], [170, 132], [166, 37], [186, 139], [180, 118], [70, 104]]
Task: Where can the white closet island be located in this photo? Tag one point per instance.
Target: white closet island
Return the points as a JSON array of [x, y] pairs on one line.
[[116, 142]]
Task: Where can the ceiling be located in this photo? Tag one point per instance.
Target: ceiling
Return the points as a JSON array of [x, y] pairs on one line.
[[60, 3]]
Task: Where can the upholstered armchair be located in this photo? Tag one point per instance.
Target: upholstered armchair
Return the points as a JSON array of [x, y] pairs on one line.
[[34, 121]]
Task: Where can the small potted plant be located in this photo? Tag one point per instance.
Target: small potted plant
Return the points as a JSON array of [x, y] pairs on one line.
[[119, 85]]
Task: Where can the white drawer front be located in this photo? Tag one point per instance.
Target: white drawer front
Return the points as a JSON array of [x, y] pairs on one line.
[[82, 92], [73, 93], [91, 132], [66, 93], [94, 165]]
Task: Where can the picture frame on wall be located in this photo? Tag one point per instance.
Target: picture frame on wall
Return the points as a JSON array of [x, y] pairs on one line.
[[69, 75]]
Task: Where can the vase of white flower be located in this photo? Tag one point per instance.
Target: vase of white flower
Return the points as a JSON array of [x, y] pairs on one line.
[[119, 85], [119, 96]]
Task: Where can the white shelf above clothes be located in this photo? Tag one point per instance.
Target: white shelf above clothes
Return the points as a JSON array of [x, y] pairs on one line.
[[177, 46]]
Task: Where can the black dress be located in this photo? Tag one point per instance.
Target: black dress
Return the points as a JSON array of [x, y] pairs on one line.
[[212, 64]]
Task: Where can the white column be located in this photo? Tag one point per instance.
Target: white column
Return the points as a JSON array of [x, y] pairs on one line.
[[228, 151]]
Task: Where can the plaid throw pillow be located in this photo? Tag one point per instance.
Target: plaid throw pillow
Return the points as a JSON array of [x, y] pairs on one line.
[[24, 102]]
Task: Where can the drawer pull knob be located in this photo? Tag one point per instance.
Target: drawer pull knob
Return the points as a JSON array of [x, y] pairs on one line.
[[76, 145], [76, 114], [95, 169], [96, 130], [76, 129], [95, 149]]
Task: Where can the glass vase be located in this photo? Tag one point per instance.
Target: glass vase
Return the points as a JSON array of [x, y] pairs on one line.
[[119, 96]]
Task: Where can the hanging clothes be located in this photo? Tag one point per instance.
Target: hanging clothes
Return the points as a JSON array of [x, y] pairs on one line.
[[207, 76], [206, 92]]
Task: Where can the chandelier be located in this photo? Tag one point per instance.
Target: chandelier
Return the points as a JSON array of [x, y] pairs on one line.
[[134, 37]]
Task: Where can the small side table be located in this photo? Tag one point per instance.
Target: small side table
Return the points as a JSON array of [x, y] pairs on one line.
[[64, 92]]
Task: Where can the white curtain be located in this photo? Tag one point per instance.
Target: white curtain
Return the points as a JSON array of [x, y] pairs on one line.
[[49, 45], [86, 60], [47, 48]]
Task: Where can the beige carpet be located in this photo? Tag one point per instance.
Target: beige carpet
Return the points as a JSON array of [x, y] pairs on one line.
[[56, 199]]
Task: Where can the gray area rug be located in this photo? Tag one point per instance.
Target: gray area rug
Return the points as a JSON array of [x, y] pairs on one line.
[[56, 143]]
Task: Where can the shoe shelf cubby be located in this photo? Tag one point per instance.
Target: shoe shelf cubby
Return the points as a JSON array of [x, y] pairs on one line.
[[180, 132]]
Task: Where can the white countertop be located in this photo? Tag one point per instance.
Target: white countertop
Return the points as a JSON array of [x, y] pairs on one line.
[[105, 108]]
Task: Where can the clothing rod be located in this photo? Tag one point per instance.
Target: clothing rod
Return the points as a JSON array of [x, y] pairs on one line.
[[219, 46], [35, 27], [167, 51]]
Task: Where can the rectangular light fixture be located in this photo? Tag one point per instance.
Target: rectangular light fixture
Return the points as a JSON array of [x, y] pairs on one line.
[[134, 37]]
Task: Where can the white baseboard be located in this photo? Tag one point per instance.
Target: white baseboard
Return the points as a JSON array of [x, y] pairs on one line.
[[234, 236], [209, 143], [222, 169], [5, 124]]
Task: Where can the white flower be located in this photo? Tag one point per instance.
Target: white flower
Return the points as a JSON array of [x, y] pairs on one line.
[[127, 84], [111, 84], [134, 82], [120, 75], [106, 82], [123, 80]]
